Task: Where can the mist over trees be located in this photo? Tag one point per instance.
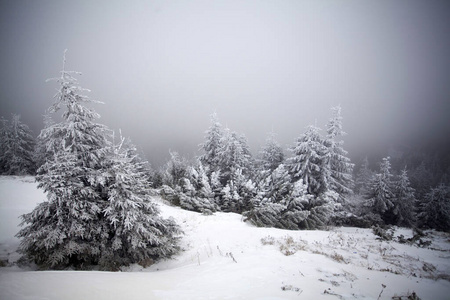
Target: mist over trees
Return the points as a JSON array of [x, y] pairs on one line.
[[316, 185]]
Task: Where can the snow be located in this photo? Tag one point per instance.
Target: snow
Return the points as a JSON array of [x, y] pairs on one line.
[[226, 258]]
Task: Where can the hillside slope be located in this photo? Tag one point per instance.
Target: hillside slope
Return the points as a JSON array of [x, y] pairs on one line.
[[226, 258]]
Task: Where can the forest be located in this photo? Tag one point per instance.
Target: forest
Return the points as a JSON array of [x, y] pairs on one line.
[[99, 208]]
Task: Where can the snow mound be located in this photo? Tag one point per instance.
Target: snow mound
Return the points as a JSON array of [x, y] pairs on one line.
[[226, 258]]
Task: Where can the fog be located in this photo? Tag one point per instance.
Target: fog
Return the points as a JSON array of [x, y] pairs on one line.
[[162, 67]]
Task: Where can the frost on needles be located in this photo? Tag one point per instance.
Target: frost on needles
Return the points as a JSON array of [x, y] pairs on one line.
[[98, 210]]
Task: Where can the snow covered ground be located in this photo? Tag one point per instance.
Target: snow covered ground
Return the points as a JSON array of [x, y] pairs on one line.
[[226, 258]]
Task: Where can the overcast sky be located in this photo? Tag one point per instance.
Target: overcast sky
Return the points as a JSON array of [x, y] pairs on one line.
[[162, 67]]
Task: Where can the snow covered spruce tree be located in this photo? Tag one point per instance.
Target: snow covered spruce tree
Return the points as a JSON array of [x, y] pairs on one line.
[[305, 211], [274, 192], [4, 141], [136, 232], [273, 186], [404, 201], [228, 164], [299, 197], [235, 164], [41, 154], [69, 228], [271, 154], [379, 196], [309, 163], [17, 150], [434, 208], [94, 199], [211, 146], [292, 207], [175, 170], [340, 166], [363, 177], [195, 191]]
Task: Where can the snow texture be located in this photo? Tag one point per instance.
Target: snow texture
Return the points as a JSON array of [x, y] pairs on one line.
[[226, 258]]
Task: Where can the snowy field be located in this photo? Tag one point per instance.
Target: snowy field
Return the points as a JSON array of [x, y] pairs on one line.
[[226, 258]]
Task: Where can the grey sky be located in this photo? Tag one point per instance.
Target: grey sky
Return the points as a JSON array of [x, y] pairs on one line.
[[162, 67]]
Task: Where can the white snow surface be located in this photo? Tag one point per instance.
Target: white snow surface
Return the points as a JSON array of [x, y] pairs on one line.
[[226, 258]]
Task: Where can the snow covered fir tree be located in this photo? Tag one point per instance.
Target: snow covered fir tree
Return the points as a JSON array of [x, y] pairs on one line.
[[17, 146], [404, 201], [434, 208], [380, 193], [98, 210], [341, 168]]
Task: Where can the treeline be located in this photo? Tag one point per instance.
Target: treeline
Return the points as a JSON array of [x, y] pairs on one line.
[[314, 186], [302, 191]]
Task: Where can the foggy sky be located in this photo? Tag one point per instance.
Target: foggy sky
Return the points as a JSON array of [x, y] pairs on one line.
[[162, 67]]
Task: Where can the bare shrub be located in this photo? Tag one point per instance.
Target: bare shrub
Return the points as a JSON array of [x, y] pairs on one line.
[[268, 240]]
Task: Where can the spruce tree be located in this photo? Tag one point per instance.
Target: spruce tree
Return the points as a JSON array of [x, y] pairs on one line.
[[271, 154], [276, 186], [363, 177], [69, 228], [234, 154], [404, 201], [175, 170], [309, 163], [97, 210], [235, 166], [17, 150], [434, 208], [136, 232], [196, 193], [211, 146], [238, 193], [4, 142], [297, 210], [340, 166], [41, 154], [380, 193]]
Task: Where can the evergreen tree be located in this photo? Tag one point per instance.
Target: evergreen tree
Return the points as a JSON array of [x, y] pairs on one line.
[[380, 194], [340, 166], [41, 154], [175, 170], [404, 201], [196, 193], [298, 210], [137, 234], [4, 145], [235, 166], [97, 210], [309, 161], [210, 149], [271, 154], [238, 193], [422, 178], [434, 209], [17, 147], [69, 228], [234, 154], [363, 177], [276, 187]]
